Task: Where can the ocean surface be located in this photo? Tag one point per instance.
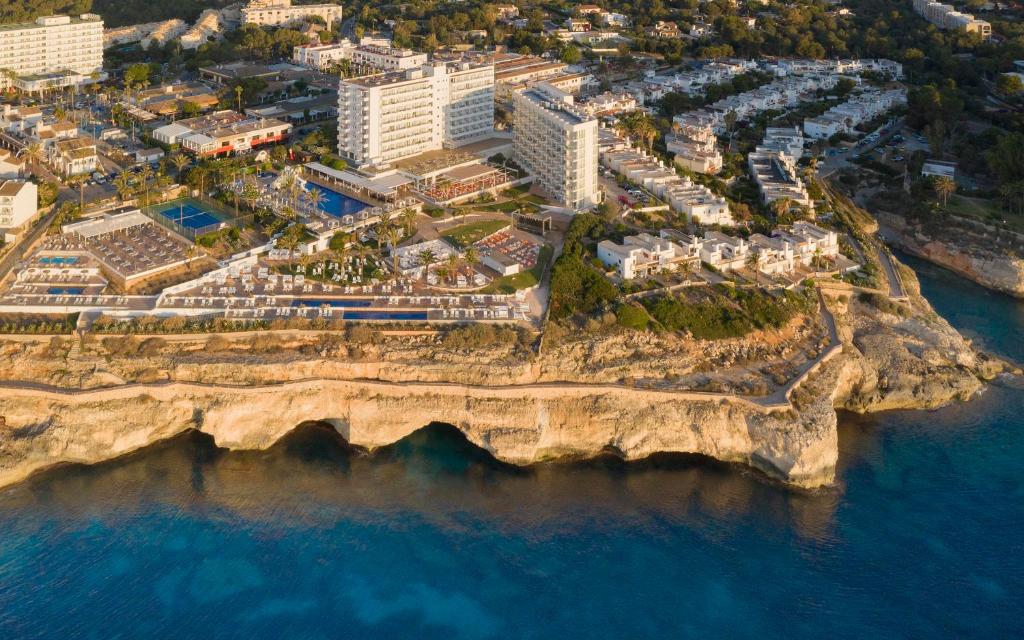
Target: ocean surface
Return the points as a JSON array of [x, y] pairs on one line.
[[430, 538]]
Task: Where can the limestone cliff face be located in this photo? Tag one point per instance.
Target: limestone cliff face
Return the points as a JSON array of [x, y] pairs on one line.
[[892, 356], [517, 425], [995, 270]]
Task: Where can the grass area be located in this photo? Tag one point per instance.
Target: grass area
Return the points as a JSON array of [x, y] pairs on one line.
[[466, 234], [523, 279], [987, 211]]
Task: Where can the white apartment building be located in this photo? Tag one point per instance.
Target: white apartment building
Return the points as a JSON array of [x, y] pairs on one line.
[[644, 254], [365, 58], [789, 141], [777, 177], [55, 51], [843, 118], [558, 144], [18, 203], [281, 12], [387, 117], [695, 201], [696, 149], [74, 156], [946, 16]]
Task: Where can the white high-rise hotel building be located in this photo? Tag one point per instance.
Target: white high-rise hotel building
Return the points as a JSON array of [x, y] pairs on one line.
[[558, 144], [386, 117], [54, 51]]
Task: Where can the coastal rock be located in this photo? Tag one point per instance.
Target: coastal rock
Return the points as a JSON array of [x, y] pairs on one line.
[[519, 426], [964, 253]]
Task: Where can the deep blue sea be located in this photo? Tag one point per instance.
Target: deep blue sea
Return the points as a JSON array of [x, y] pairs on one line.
[[923, 537]]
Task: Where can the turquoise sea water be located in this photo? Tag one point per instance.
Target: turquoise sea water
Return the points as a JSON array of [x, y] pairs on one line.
[[431, 539]]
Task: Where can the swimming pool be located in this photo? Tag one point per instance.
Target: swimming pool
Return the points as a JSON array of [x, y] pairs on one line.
[[65, 291], [337, 304], [337, 204], [58, 260], [189, 214], [385, 315]]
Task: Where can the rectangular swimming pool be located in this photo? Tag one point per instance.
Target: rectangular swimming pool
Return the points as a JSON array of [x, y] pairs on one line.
[[65, 291], [58, 260], [337, 304], [385, 315], [337, 204]]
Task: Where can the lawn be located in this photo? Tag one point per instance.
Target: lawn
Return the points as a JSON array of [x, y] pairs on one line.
[[987, 211], [466, 234], [524, 279]]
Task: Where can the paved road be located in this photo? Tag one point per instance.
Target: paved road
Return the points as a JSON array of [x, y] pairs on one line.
[[895, 284], [840, 161]]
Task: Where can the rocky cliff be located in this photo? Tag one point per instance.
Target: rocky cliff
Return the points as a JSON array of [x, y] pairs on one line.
[[892, 355], [975, 256]]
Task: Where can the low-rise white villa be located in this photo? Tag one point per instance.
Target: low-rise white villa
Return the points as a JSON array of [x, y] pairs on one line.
[[696, 201], [843, 118], [696, 149], [803, 245], [18, 203]]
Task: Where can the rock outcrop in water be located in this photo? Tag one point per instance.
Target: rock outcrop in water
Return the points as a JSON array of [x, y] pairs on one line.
[[901, 356]]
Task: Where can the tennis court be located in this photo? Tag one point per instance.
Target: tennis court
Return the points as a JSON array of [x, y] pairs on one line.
[[189, 214]]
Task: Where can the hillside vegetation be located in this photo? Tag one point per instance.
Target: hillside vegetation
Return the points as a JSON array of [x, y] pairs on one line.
[[115, 12]]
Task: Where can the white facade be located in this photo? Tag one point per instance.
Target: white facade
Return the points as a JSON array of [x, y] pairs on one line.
[[844, 117], [696, 149], [695, 201], [54, 51], [558, 145], [385, 118], [642, 255], [281, 12], [18, 202], [946, 16]]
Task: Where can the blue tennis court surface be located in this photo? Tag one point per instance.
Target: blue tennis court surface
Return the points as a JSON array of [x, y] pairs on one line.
[[189, 215]]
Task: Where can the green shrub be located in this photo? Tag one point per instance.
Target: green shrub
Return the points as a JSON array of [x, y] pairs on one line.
[[632, 317]]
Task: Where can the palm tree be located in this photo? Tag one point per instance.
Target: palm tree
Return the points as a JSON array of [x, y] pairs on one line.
[[426, 258], [392, 237], [385, 220], [781, 207], [753, 262], [32, 153], [315, 197], [238, 97], [944, 188], [123, 185], [408, 217], [452, 263], [145, 173], [471, 256], [180, 161]]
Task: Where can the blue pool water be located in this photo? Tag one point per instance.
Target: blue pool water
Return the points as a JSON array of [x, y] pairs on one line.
[[337, 204], [337, 304], [189, 215], [385, 315], [58, 260], [65, 291], [430, 538]]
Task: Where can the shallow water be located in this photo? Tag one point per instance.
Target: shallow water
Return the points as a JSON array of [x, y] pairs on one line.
[[431, 538]]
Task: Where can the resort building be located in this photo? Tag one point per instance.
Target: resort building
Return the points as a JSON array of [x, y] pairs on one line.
[[222, 133], [695, 149], [558, 144], [695, 201], [363, 58], [387, 117], [11, 166], [843, 118], [52, 52], [73, 157], [281, 12], [778, 178], [946, 16], [644, 255], [206, 28], [18, 203]]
